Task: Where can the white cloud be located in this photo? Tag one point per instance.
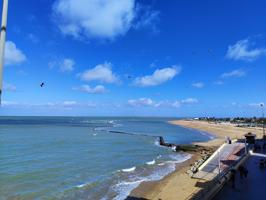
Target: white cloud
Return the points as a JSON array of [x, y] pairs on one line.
[[198, 85], [64, 65], [51, 105], [176, 104], [242, 51], [33, 38], [52, 64], [9, 87], [69, 103], [234, 104], [101, 19], [218, 82], [141, 102], [9, 103], [257, 104], [189, 101], [99, 89], [102, 72], [13, 55], [235, 73], [67, 65], [148, 18], [94, 18], [158, 77], [152, 103], [22, 73]]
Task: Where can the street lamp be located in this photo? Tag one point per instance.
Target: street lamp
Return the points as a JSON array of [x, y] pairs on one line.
[[2, 43], [263, 129], [219, 162]]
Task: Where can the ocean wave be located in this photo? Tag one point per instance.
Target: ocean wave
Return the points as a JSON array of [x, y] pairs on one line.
[[100, 129], [161, 164], [157, 143], [129, 169], [117, 125], [173, 148], [82, 185], [86, 122], [207, 134], [124, 188], [130, 183], [159, 171], [179, 158], [151, 162], [114, 123]]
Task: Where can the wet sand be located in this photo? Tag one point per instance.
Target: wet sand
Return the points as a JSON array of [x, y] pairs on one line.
[[178, 185]]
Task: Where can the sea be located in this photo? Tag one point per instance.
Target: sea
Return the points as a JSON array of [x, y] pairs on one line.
[[86, 157]]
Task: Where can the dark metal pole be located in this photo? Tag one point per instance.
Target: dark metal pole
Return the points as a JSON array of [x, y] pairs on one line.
[[263, 128]]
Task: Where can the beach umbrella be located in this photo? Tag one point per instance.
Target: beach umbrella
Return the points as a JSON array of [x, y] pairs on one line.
[[2, 43]]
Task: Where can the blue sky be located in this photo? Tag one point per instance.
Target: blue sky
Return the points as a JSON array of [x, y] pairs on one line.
[[135, 58]]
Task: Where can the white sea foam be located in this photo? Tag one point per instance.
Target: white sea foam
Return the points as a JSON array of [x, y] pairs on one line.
[[179, 158], [100, 129], [82, 185], [130, 183], [129, 169], [173, 148], [117, 125], [125, 187], [151, 162], [157, 143], [207, 134], [86, 121]]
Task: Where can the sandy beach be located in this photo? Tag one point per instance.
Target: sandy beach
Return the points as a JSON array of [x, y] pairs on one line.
[[178, 185]]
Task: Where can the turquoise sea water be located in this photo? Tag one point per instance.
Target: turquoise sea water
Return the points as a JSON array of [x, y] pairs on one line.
[[79, 158]]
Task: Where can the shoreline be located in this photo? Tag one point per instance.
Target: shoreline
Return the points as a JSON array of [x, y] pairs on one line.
[[150, 189], [178, 184]]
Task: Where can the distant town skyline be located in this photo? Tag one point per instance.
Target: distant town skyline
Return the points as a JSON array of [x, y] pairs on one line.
[[135, 58]]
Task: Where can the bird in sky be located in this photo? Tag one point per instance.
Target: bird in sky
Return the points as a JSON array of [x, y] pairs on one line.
[[42, 84]]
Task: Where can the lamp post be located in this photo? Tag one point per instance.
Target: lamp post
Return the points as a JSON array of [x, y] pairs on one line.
[[2, 43], [219, 162], [246, 149], [263, 128]]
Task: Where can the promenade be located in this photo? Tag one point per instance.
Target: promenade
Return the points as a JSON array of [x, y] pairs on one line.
[[220, 161], [252, 187]]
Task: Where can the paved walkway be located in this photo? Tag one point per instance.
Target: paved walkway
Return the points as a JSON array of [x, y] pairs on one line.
[[228, 154], [252, 187]]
